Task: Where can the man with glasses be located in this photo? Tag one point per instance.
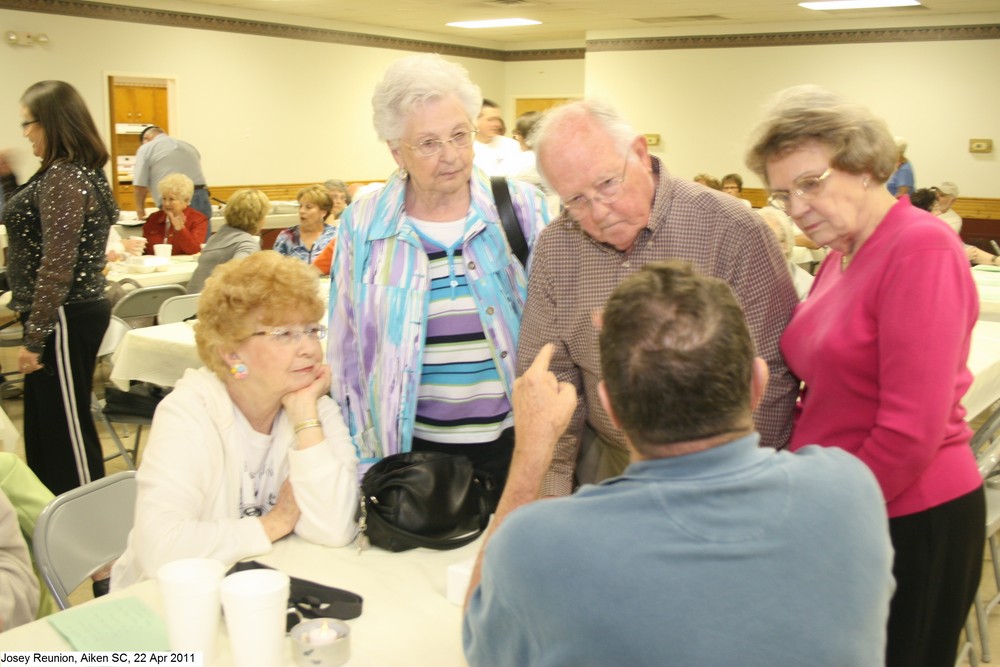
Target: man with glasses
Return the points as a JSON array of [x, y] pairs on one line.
[[622, 211]]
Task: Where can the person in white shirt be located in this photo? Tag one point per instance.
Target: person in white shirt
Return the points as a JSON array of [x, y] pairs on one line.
[[250, 447], [493, 153], [947, 193], [18, 584]]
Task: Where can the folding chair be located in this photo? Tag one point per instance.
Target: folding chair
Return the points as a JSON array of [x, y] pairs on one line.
[[178, 309], [144, 303], [117, 328], [83, 530]]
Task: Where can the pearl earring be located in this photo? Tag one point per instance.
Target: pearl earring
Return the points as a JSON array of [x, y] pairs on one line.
[[403, 174]]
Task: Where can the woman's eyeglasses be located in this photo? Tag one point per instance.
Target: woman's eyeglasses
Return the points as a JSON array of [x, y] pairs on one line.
[[806, 188], [287, 336], [434, 146]]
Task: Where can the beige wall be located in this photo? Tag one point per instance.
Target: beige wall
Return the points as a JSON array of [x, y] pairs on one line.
[[260, 109], [705, 102], [272, 110]]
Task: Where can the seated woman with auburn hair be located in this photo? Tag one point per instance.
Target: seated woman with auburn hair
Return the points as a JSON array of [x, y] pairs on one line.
[[176, 222], [250, 447]]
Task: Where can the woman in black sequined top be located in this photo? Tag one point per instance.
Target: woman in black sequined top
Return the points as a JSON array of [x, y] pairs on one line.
[[58, 224]]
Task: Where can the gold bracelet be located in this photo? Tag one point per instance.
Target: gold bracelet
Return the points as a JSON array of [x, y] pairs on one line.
[[309, 423]]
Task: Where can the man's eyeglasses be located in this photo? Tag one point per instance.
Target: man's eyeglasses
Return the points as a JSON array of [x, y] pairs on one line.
[[431, 147], [25, 124], [806, 188], [605, 192], [286, 336]]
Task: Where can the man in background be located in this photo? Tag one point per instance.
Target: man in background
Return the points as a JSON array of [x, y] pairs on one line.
[[708, 550], [493, 153], [160, 155], [622, 211]]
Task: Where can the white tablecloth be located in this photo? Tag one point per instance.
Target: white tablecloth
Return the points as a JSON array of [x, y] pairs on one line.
[[406, 619], [984, 362], [178, 272], [157, 354], [988, 283]]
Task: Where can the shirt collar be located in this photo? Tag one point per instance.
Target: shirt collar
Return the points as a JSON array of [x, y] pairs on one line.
[[736, 455]]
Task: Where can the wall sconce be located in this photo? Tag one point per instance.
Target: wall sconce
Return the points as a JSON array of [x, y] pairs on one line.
[[15, 38]]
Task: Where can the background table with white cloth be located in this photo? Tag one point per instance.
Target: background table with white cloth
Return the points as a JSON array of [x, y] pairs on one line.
[[406, 618], [987, 280], [177, 272]]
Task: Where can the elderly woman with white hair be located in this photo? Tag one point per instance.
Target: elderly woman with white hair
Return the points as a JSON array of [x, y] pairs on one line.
[[427, 296], [176, 222], [784, 230]]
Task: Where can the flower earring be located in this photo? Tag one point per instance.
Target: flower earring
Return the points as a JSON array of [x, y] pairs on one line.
[[239, 370]]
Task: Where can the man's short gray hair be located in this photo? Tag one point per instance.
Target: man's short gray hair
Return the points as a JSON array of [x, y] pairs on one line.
[[413, 81], [546, 136]]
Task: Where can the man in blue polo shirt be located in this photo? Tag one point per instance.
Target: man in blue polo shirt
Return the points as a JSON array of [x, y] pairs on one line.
[[707, 550]]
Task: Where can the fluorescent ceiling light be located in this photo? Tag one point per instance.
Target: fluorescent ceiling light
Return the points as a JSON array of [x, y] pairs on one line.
[[858, 4], [494, 23]]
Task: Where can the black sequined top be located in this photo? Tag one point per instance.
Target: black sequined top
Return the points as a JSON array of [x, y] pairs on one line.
[[57, 229]]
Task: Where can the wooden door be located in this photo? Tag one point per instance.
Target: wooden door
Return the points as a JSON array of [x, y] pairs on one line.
[[133, 104], [526, 104]]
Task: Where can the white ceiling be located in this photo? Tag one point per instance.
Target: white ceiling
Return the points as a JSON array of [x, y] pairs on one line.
[[570, 20]]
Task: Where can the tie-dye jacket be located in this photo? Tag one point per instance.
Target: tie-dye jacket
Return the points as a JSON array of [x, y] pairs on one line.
[[379, 296]]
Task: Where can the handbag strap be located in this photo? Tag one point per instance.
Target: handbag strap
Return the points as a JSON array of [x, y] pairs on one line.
[[508, 216], [429, 542]]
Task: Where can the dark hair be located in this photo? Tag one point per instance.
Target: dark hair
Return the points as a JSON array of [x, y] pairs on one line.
[[525, 123], [735, 178], [924, 198], [676, 356], [149, 128], [490, 103], [70, 132]]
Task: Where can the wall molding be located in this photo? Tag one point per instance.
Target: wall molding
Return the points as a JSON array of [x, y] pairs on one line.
[[869, 36], [107, 12]]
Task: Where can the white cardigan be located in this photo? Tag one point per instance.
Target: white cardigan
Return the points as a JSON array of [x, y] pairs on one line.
[[189, 481]]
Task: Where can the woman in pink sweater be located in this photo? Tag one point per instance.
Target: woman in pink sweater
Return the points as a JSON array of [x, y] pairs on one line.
[[881, 344]]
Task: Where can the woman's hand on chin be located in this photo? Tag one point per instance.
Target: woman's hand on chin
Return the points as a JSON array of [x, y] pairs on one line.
[[301, 404], [281, 520]]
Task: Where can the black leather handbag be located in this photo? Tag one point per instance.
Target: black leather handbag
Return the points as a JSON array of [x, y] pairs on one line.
[[423, 499]]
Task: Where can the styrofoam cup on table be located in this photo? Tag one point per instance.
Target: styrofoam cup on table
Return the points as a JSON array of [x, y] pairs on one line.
[[163, 249], [190, 591], [255, 603]]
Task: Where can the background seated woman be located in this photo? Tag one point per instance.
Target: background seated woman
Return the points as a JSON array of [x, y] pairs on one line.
[[176, 222], [245, 213], [307, 239], [249, 448]]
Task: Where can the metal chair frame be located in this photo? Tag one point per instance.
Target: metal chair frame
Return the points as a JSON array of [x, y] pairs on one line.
[[82, 531]]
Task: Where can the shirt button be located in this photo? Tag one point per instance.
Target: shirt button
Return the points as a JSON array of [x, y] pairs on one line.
[[489, 311], [503, 355], [472, 266]]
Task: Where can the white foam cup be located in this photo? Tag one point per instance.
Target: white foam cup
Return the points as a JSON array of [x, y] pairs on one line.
[[255, 603], [190, 591]]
